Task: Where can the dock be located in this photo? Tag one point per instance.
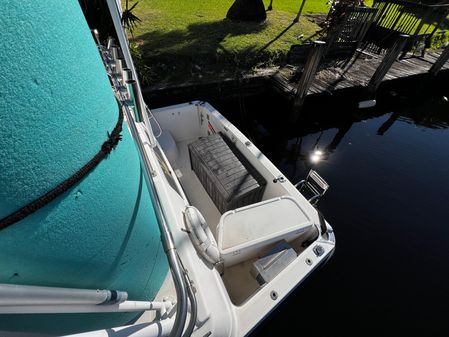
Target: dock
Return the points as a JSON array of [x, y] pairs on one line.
[[355, 73], [332, 77]]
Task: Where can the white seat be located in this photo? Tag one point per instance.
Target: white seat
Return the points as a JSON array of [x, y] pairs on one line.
[[244, 233]]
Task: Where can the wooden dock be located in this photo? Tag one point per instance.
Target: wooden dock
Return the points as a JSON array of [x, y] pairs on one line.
[[355, 73]]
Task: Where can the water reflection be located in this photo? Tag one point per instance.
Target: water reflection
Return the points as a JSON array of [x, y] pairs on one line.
[[386, 168], [388, 123], [317, 135], [316, 156]]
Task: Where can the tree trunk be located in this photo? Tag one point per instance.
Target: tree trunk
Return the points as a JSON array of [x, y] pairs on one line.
[[247, 10]]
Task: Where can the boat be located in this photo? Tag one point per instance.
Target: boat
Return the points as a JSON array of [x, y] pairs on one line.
[[238, 236]]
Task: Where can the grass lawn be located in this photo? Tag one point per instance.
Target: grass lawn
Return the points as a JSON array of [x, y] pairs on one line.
[[179, 41], [189, 40]]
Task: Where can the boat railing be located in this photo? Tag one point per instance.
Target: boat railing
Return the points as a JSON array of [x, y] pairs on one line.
[[25, 299], [182, 283], [121, 81], [177, 271], [315, 184]]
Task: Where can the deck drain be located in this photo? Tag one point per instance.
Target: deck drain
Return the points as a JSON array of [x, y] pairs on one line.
[[274, 295], [309, 261]]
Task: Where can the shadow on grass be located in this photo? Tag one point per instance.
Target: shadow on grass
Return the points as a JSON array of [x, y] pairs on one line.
[[199, 51], [277, 37]]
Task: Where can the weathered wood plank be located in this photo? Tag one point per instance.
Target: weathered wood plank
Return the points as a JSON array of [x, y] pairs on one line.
[[356, 74]]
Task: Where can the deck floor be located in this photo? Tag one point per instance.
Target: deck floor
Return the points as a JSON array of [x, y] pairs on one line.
[[356, 73]]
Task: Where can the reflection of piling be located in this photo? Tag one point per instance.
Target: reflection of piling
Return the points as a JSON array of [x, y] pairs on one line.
[[307, 77], [388, 123], [341, 133], [439, 63], [388, 60]]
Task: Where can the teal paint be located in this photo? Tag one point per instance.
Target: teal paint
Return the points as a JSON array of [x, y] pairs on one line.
[[56, 107]]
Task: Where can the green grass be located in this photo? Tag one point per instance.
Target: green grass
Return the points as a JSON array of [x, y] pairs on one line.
[[182, 41], [189, 40], [179, 41], [311, 6]]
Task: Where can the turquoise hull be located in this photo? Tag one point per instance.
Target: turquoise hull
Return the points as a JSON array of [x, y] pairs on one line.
[[56, 108]]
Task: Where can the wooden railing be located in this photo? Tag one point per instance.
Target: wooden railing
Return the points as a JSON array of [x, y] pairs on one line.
[[395, 17]]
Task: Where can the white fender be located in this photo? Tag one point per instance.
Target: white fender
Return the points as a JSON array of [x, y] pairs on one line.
[[201, 235]]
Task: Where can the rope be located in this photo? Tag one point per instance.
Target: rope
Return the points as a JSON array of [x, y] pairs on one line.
[[106, 148]]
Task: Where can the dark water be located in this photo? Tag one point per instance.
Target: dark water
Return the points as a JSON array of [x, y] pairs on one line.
[[388, 168]]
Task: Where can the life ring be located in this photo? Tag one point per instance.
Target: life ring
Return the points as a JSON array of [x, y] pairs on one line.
[[201, 235]]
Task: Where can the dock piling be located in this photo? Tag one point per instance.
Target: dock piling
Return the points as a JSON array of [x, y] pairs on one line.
[[383, 68], [439, 63], [388, 60], [308, 74]]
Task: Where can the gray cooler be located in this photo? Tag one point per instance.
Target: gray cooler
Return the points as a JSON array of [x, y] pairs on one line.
[[229, 179]]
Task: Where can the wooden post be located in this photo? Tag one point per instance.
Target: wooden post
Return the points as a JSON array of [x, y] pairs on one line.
[[439, 63], [388, 60], [296, 19], [310, 68]]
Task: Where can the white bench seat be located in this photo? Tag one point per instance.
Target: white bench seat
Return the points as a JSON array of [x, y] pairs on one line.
[[244, 232]]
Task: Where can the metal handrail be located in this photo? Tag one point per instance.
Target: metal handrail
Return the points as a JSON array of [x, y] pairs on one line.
[[177, 271], [317, 179], [124, 45], [166, 236]]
